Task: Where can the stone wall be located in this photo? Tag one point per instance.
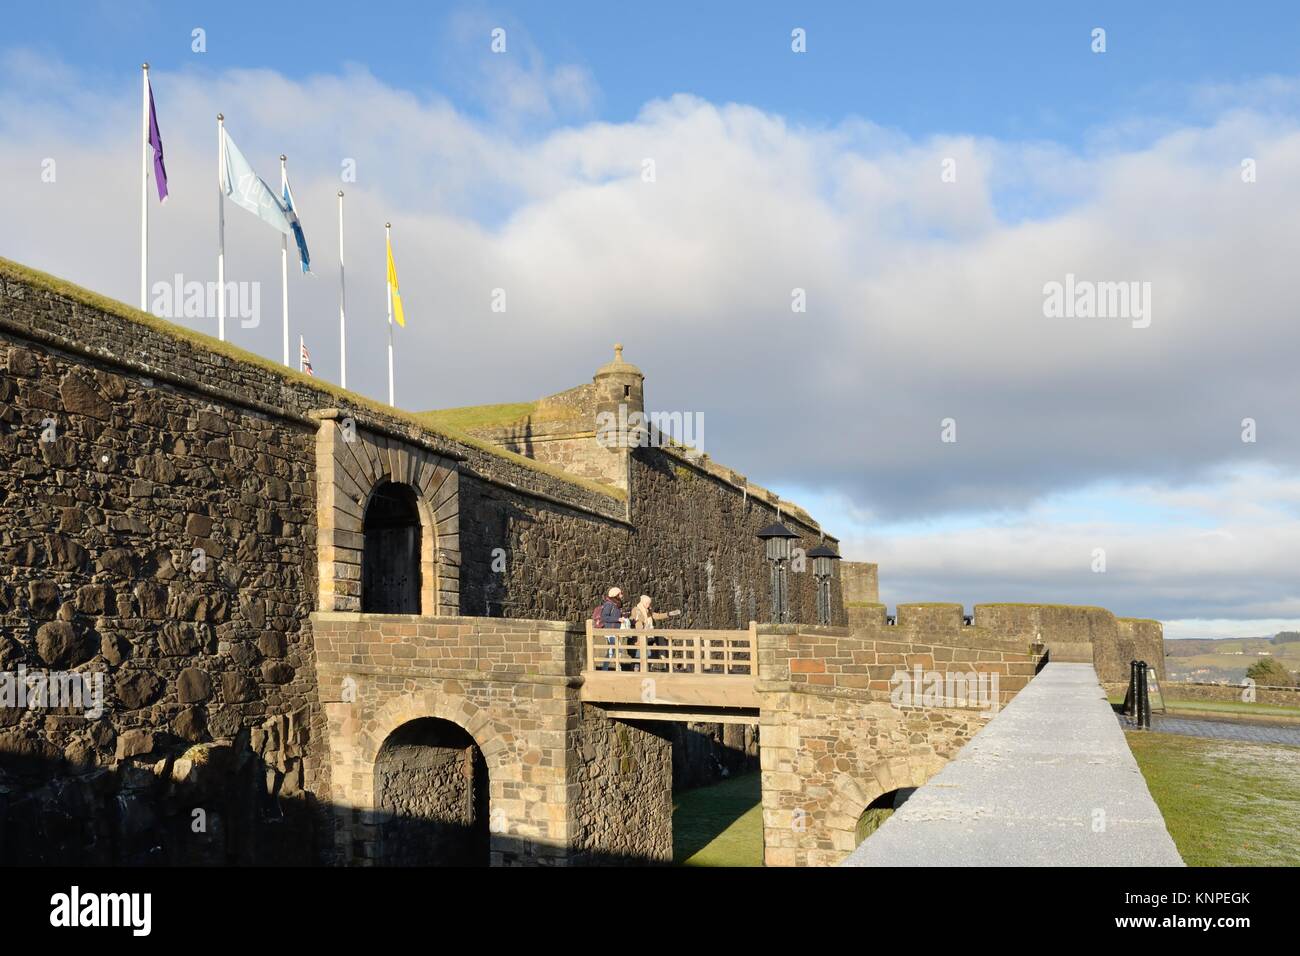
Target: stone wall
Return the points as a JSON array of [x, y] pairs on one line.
[[170, 536], [1227, 693], [567, 785], [167, 544], [560, 431], [1089, 634], [833, 740], [621, 773], [690, 544], [861, 582]]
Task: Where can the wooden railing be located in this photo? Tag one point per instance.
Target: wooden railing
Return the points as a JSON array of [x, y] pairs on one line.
[[673, 651], [675, 673]]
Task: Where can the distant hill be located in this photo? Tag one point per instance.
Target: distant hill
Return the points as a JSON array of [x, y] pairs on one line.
[[1193, 646], [1226, 658]]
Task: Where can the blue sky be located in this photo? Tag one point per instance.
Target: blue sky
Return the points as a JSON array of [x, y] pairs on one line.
[[1019, 70], [776, 171]]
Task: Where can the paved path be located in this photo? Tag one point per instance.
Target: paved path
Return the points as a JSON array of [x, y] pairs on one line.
[[1049, 782], [1224, 730]]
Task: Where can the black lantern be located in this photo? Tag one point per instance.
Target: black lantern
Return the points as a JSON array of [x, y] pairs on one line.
[[778, 539], [823, 561], [823, 570]]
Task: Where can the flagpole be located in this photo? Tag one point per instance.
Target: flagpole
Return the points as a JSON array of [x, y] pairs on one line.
[[388, 240], [343, 323], [284, 266], [144, 191], [302, 345], [221, 227]]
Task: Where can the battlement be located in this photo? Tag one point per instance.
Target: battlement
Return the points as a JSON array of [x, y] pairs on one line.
[[1070, 633]]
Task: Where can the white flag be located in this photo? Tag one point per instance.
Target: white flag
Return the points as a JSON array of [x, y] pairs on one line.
[[245, 188]]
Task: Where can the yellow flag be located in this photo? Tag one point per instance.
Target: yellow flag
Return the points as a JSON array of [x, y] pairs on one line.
[[392, 284]]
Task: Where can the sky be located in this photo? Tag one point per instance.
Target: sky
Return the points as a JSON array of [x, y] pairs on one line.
[[841, 256]]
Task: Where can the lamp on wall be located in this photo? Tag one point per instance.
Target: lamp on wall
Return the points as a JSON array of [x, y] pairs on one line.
[[779, 546], [823, 570]]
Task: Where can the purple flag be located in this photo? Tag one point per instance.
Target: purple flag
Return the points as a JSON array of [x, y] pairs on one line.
[[155, 140]]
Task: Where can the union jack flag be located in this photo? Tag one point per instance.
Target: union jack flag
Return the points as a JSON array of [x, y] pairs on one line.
[[304, 360]]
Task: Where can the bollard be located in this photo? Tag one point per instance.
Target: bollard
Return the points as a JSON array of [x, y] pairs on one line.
[[1130, 696], [1144, 703]]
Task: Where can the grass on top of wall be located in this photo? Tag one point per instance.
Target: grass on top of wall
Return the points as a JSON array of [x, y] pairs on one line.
[[503, 415], [480, 416], [17, 272], [1068, 607]]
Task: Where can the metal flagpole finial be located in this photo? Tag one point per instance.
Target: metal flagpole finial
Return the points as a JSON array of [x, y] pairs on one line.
[[283, 157], [340, 194], [388, 225], [145, 67], [221, 117]]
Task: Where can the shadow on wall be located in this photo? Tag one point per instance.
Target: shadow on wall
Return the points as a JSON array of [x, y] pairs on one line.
[[431, 790], [878, 811], [705, 754], [206, 806], [209, 806]]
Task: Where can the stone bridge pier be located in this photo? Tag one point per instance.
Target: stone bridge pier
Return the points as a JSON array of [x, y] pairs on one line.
[[463, 739], [839, 736]]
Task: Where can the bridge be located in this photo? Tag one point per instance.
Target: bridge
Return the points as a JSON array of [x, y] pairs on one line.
[[542, 742], [1049, 782], [673, 674]]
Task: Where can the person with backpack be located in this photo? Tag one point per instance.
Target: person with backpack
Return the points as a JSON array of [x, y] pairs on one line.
[[607, 615]]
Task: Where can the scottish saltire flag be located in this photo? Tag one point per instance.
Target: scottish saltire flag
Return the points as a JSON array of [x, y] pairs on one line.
[[392, 282], [245, 188], [304, 360], [155, 140], [298, 237]]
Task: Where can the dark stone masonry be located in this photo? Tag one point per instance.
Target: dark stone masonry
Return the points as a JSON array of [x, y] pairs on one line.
[[159, 526]]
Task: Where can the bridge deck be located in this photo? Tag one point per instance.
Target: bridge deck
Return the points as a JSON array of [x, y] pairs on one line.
[[1049, 782], [665, 670]]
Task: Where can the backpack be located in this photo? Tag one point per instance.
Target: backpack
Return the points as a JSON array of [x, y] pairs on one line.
[[595, 616]]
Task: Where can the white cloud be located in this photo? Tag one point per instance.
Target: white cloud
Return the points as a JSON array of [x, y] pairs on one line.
[[924, 297], [1221, 550]]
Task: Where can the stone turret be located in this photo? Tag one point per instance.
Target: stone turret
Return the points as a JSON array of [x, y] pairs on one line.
[[619, 383], [619, 414]]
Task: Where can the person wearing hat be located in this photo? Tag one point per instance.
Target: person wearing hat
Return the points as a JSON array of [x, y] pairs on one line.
[[611, 612], [611, 615]]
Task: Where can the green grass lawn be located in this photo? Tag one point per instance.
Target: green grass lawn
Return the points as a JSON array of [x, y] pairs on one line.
[[1233, 708], [1226, 803], [719, 825], [1229, 708]]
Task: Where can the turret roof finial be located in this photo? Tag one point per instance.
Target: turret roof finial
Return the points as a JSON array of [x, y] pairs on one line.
[[618, 352]]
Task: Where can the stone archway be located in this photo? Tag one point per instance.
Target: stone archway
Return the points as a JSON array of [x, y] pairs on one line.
[[431, 797], [853, 793], [352, 465], [362, 748]]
